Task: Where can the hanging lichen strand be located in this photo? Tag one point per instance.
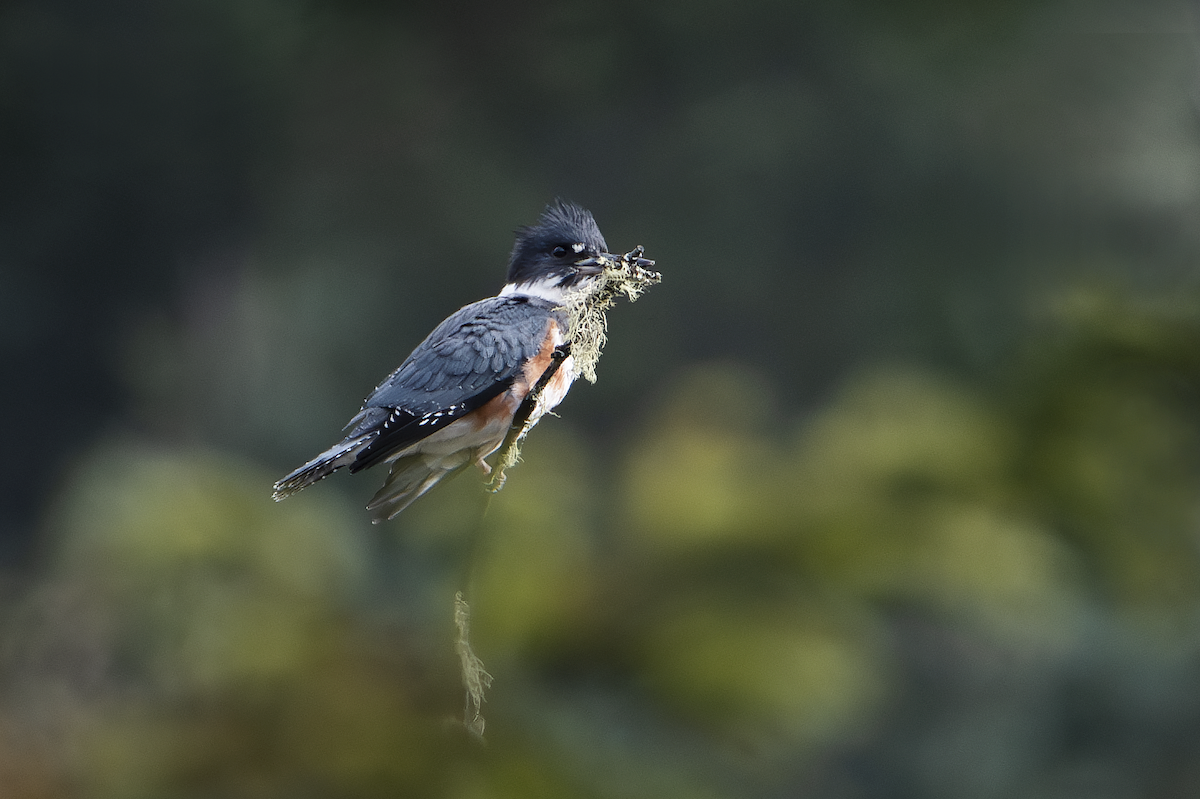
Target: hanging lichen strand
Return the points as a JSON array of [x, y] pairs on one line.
[[588, 325]]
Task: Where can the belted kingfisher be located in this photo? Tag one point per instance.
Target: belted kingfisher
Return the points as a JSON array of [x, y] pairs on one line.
[[454, 400]]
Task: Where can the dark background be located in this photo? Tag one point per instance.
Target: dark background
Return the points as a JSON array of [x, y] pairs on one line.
[[889, 490]]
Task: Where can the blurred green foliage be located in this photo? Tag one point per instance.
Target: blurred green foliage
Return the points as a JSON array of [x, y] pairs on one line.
[[743, 593], [889, 491]]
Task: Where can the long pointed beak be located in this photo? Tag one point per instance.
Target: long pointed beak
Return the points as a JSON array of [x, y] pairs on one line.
[[596, 264]]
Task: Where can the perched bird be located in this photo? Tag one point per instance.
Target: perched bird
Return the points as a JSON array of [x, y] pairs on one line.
[[454, 400]]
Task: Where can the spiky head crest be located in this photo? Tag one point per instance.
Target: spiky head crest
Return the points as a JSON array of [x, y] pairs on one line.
[[562, 224]]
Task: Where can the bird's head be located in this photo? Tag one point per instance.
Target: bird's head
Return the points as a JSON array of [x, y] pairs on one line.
[[563, 258], [563, 252]]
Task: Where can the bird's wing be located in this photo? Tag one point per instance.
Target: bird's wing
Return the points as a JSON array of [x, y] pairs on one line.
[[466, 361]]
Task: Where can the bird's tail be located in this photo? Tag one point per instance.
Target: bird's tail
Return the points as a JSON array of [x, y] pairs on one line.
[[322, 466], [409, 478]]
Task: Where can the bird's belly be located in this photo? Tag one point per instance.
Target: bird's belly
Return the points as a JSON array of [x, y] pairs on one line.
[[473, 436], [481, 432]]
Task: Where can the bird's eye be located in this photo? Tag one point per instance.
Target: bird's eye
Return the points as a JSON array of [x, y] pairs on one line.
[[559, 251]]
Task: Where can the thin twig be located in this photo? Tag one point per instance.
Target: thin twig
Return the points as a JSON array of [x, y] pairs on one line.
[[510, 449]]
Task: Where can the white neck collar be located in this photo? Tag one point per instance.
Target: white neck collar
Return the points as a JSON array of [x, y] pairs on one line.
[[542, 288]]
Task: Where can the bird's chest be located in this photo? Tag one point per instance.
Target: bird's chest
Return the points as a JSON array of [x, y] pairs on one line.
[[559, 384], [495, 416]]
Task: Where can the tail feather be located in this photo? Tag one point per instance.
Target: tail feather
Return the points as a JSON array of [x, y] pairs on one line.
[[408, 479], [322, 466]]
